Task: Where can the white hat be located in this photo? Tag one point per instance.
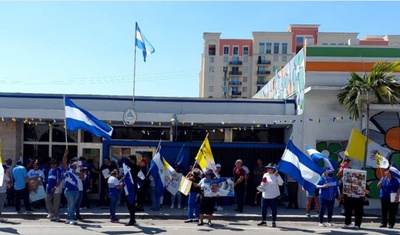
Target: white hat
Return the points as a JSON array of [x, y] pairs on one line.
[[217, 165]]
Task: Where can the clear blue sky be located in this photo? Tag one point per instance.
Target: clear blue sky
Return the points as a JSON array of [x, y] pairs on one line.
[[88, 47]]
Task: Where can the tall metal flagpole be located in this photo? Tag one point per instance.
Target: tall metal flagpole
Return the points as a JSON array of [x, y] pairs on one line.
[[134, 68]]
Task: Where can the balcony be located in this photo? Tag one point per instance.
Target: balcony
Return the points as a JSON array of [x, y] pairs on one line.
[[235, 72], [235, 63], [263, 72], [235, 83], [263, 62], [236, 93], [261, 82]]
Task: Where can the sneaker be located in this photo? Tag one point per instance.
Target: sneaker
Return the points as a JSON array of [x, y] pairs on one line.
[[209, 223], [73, 222], [262, 223], [114, 220], [308, 215], [29, 212], [273, 224], [188, 221], [321, 225], [356, 227], [172, 207], [330, 224], [346, 226], [55, 219], [67, 221], [200, 223], [219, 208], [2, 219], [179, 206], [49, 216]]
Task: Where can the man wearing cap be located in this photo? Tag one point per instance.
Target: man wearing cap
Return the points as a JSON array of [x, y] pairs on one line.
[[53, 191], [270, 183], [329, 191]]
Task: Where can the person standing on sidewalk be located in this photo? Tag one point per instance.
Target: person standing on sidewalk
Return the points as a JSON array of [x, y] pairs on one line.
[[114, 186], [193, 206], [134, 170], [258, 172], [329, 191], [21, 185], [270, 183], [53, 191], [239, 184], [3, 191], [206, 203], [293, 191], [388, 185]]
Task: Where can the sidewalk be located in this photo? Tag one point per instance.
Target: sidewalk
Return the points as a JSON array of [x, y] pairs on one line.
[[250, 213]]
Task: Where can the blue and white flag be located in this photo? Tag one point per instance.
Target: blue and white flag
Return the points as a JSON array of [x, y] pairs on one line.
[[142, 43], [77, 118], [394, 171], [316, 156], [157, 171], [130, 189], [180, 157], [300, 167]]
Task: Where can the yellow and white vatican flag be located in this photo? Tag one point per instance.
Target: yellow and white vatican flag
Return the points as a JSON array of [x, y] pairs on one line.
[[204, 157], [185, 185]]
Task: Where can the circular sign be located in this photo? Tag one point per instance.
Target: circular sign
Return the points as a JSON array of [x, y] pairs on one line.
[[129, 117]]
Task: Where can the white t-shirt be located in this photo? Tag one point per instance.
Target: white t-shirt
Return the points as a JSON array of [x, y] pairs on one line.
[[3, 188], [39, 173], [271, 184]]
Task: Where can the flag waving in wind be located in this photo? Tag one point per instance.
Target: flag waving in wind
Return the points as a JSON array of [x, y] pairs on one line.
[[301, 168], [77, 118], [316, 156], [142, 43], [130, 189], [204, 157], [157, 172]]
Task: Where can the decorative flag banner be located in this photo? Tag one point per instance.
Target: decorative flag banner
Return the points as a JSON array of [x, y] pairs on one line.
[[77, 118], [316, 156], [381, 162], [355, 149], [142, 43], [1, 164], [172, 178], [204, 157], [301, 168], [185, 185], [157, 171], [130, 189], [394, 171]]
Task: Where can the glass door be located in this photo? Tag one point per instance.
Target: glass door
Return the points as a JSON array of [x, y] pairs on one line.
[[92, 153]]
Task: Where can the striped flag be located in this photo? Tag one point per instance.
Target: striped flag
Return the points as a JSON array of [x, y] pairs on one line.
[[142, 43], [184, 186], [204, 157]]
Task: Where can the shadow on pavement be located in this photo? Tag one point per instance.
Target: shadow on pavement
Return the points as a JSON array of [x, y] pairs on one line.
[[9, 231]]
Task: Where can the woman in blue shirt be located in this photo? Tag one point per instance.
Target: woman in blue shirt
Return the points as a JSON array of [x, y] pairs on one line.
[[329, 191], [388, 185]]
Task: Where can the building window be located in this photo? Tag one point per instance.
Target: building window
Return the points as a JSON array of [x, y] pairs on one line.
[[269, 45], [211, 78], [284, 59], [245, 69], [245, 50], [261, 46], [284, 48], [211, 49], [276, 48], [324, 44], [300, 40], [211, 69], [276, 58], [244, 79], [226, 58], [245, 59], [235, 50], [211, 89], [244, 90], [211, 59], [341, 43], [226, 50], [333, 44]]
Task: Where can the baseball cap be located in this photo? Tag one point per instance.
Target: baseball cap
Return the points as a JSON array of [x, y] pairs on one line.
[[217, 165]]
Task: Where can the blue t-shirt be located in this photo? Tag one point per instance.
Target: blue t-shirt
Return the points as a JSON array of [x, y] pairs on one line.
[[19, 174], [54, 176], [330, 192], [388, 187], [71, 180]]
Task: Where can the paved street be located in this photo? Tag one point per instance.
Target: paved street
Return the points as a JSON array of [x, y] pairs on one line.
[[177, 227]]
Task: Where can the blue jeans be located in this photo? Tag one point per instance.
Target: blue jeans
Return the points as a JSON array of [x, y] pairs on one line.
[[72, 199], [179, 196], [325, 205], [78, 204], [193, 206], [269, 203], [155, 198], [114, 199]]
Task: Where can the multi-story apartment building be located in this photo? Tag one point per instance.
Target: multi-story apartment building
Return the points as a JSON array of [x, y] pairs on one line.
[[239, 68]]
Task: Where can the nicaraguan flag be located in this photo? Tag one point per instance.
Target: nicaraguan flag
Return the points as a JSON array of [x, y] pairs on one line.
[[316, 156], [301, 168], [157, 171], [77, 118], [142, 43], [394, 171], [179, 159], [130, 189]]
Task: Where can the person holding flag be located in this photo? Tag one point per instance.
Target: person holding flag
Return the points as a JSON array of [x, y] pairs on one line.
[[131, 170], [329, 191], [388, 185]]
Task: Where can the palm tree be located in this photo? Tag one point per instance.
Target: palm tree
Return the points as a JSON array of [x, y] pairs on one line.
[[380, 86]]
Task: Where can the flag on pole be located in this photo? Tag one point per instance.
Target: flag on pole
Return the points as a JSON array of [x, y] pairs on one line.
[[1, 164], [172, 178], [179, 159], [381, 161], [355, 149], [157, 171], [394, 171], [130, 189], [301, 168], [185, 185], [204, 157], [316, 156], [142, 43], [77, 118]]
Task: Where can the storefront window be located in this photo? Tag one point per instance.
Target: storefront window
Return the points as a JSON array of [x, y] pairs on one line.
[[57, 151], [59, 134], [35, 151], [87, 137], [36, 133]]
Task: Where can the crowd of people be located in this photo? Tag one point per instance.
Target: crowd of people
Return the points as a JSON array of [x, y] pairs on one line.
[[68, 182]]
